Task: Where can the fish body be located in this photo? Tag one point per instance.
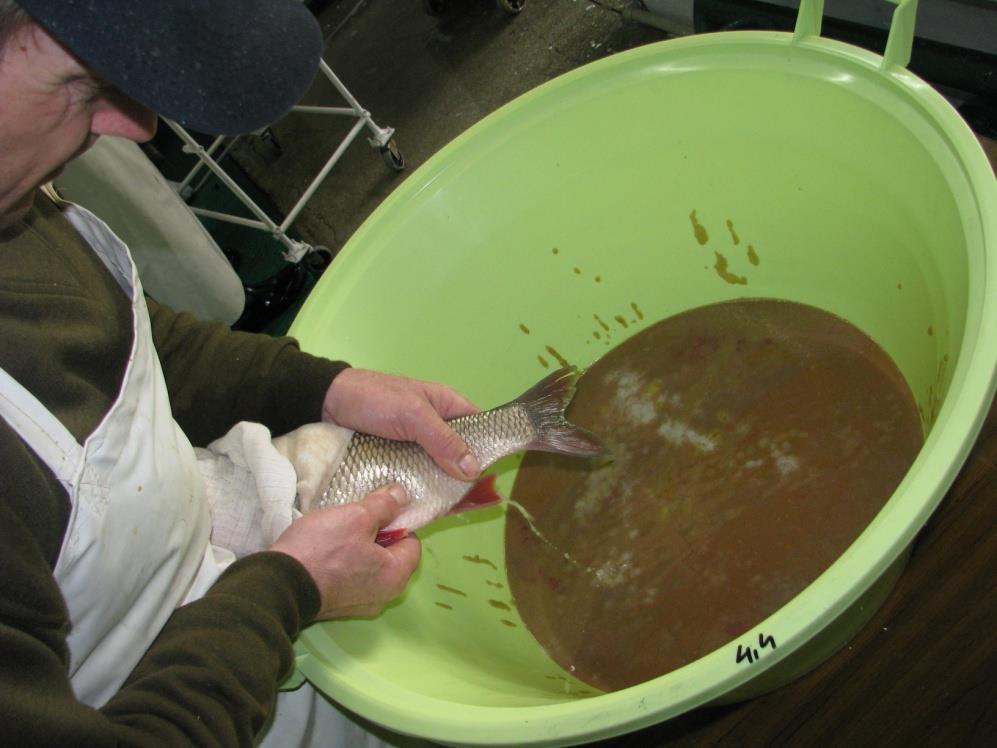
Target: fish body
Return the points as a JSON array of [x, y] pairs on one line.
[[533, 421]]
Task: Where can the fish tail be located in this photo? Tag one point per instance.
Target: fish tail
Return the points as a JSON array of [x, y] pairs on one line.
[[545, 403]]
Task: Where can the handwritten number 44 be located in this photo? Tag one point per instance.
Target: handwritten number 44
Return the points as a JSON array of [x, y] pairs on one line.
[[750, 653]]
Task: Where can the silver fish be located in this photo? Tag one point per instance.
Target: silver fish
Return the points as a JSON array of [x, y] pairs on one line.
[[533, 421]]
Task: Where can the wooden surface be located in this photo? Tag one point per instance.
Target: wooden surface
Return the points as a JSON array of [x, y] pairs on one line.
[[922, 672]]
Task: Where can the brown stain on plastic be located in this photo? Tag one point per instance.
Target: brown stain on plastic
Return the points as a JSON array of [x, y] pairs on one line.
[[507, 622], [560, 359], [721, 267], [444, 605], [637, 311], [698, 229], [452, 590], [935, 393], [733, 234], [621, 320], [752, 255], [524, 328], [543, 362], [476, 559], [499, 604], [602, 324]]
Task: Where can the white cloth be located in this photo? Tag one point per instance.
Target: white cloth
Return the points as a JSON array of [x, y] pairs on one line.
[[178, 261], [256, 487], [250, 489], [316, 450]]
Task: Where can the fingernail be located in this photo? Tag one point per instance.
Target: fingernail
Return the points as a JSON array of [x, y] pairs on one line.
[[398, 494], [469, 465]]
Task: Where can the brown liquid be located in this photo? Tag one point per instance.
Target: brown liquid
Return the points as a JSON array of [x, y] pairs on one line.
[[752, 442]]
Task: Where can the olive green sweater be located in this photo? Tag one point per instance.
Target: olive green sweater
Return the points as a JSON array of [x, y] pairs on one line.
[[211, 676]]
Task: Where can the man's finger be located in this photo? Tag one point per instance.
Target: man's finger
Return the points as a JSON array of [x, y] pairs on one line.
[[384, 504], [446, 447], [407, 553], [448, 402], [444, 444]]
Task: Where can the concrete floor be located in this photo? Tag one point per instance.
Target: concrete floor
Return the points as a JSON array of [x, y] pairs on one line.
[[429, 77]]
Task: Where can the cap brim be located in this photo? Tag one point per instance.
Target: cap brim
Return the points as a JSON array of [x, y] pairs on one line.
[[214, 66]]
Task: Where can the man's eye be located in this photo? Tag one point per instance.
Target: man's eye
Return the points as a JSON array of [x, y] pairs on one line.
[[98, 89], [88, 89]]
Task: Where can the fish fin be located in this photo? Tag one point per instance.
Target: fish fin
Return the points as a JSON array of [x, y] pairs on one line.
[[385, 538], [545, 403], [481, 494]]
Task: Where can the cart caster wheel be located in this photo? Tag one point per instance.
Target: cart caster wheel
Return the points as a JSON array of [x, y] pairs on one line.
[[392, 156], [317, 259], [511, 6], [435, 7]]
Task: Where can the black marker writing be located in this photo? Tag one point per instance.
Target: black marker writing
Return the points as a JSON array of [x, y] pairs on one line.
[[750, 653]]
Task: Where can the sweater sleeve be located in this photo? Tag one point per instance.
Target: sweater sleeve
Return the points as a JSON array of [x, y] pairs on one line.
[[221, 691], [217, 377]]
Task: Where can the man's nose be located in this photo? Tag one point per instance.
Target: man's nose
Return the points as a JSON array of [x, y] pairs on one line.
[[121, 116]]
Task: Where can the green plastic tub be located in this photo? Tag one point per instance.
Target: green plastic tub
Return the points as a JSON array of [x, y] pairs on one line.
[[619, 187]]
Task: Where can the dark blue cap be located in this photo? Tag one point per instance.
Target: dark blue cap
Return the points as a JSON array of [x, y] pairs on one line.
[[214, 66]]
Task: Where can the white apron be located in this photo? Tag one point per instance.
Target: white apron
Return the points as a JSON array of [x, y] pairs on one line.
[[136, 545], [137, 542]]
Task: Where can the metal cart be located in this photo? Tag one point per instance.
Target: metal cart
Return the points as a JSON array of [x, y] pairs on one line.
[[381, 138]]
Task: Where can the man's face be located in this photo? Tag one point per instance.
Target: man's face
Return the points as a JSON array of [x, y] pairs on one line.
[[52, 109]]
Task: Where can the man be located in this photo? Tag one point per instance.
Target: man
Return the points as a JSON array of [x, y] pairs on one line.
[[120, 622]]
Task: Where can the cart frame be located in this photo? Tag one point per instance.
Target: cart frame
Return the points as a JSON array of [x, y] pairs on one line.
[[381, 138]]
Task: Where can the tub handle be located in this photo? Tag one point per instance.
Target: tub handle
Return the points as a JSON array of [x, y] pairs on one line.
[[898, 43]]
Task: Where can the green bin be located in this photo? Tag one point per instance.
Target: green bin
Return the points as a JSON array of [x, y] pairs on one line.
[[619, 187]]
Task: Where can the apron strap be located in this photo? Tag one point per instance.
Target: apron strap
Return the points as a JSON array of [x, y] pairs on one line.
[[99, 236], [42, 431]]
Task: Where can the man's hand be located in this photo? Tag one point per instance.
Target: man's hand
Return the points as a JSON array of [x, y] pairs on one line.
[[354, 575], [395, 407]]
